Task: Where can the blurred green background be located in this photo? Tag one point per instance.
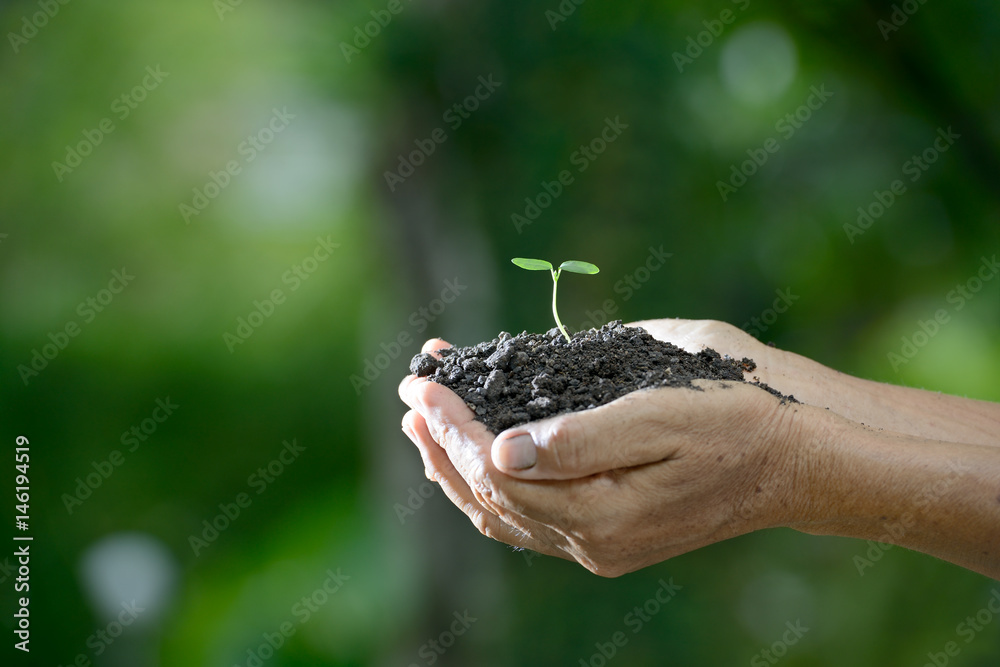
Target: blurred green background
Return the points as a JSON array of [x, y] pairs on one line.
[[289, 184]]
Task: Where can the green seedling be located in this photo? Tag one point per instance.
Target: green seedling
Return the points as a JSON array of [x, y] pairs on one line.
[[572, 266]]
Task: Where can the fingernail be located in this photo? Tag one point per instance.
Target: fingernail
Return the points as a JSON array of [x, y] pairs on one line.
[[409, 433], [517, 453]]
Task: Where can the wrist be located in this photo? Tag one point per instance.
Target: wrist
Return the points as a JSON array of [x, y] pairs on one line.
[[850, 479], [775, 494], [809, 381], [939, 498], [904, 410], [829, 485], [802, 453]]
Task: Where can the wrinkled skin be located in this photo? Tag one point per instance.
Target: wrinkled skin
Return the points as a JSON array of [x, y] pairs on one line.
[[658, 473], [707, 474]]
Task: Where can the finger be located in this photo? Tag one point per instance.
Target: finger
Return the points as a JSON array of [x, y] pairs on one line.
[[434, 401], [403, 388], [663, 325], [442, 471], [447, 414], [695, 335], [452, 425], [631, 431], [407, 423], [466, 442], [573, 508], [409, 428], [433, 345], [689, 335], [437, 466], [443, 413]]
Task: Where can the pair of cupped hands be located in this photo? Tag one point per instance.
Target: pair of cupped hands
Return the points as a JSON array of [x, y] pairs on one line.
[[660, 472]]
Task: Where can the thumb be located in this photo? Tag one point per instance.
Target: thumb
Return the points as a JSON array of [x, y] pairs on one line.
[[621, 434]]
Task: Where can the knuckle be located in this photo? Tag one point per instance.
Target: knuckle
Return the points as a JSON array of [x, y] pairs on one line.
[[716, 329], [609, 571], [605, 567], [567, 439], [481, 521], [591, 557], [481, 495], [489, 532], [492, 499], [501, 499], [477, 476], [591, 535], [598, 538], [440, 433]]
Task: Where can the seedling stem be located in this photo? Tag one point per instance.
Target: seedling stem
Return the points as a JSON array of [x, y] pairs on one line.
[[573, 266]]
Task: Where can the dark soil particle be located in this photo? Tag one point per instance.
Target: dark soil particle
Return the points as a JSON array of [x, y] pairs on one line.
[[512, 380]]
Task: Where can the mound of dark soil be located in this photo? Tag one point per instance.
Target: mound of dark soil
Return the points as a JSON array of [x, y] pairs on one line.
[[512, 380]]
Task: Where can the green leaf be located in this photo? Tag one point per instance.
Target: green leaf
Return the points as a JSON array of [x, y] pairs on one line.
[[573, 266], [532, 264]]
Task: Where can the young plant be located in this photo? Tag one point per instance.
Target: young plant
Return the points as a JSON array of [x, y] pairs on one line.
[[572, 266]]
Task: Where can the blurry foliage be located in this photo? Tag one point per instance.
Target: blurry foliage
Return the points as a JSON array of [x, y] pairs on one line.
[[655, 185]]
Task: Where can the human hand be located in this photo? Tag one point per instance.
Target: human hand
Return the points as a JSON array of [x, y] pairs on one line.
[[649, 476], [634, 482], [789, 373], [903, 410]]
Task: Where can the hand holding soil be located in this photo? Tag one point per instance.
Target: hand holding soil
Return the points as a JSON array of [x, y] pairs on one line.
[[660, 472], [647, 477]]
